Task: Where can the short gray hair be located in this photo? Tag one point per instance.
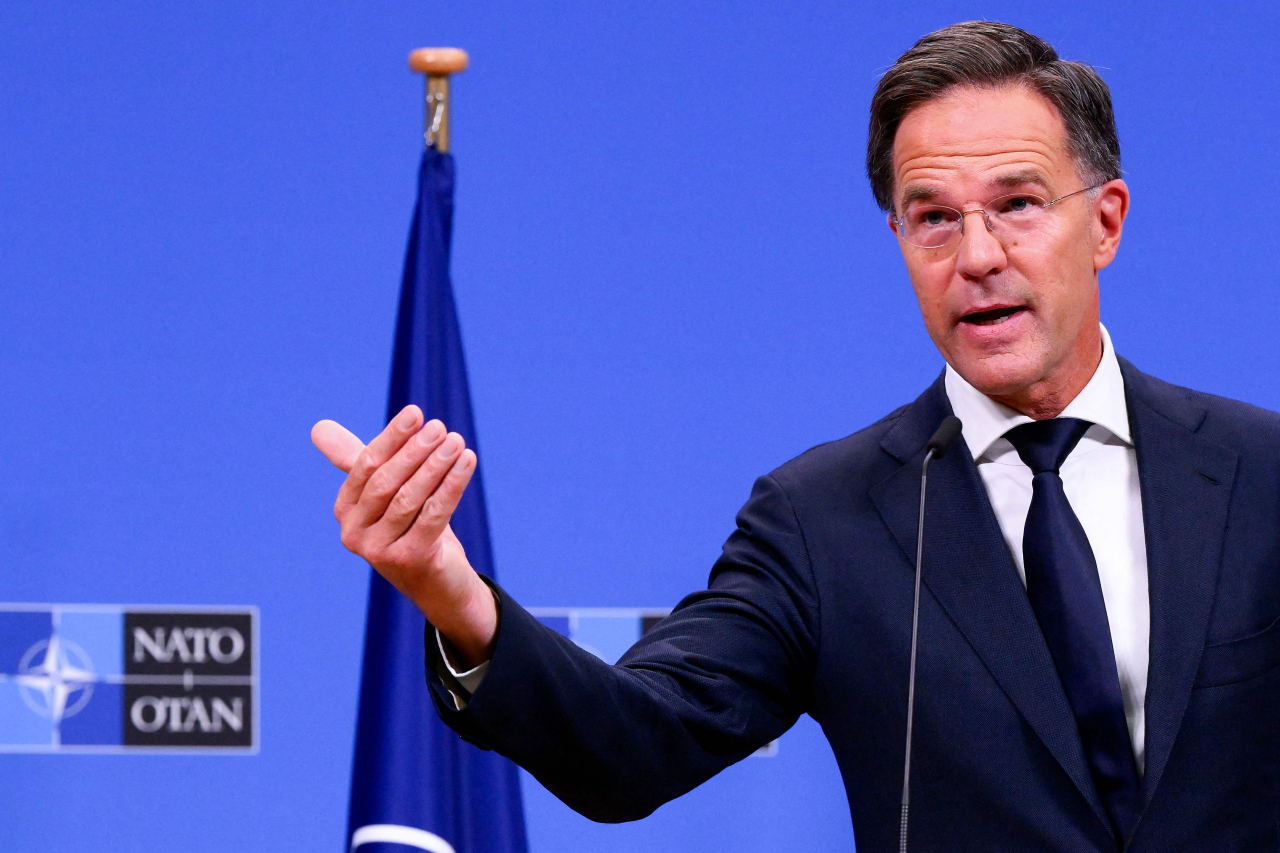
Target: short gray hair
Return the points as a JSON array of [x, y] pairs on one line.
[[982, 53]]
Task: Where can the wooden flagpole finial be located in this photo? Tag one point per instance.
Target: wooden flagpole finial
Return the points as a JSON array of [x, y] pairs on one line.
[[438, 63], [439, 60]]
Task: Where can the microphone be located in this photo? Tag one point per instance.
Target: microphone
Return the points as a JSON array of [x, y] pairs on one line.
[[948, 432], [945, 436]]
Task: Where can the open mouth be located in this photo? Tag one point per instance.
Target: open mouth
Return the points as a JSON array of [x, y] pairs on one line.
[[994, 317]]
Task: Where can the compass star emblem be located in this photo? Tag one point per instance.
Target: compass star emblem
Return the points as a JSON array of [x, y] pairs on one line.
[[60, 683]]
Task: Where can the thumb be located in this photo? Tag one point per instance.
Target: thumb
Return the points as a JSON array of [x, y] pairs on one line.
[[337, 443]]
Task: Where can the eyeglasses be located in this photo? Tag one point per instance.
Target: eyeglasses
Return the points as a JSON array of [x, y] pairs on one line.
[[932, 226]]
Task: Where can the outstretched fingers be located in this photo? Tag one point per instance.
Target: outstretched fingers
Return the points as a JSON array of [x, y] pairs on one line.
[[383, 487], [409, 500], [440, 506], [402, 427]]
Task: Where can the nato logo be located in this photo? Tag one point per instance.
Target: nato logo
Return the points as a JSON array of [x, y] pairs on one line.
[[101, 678]]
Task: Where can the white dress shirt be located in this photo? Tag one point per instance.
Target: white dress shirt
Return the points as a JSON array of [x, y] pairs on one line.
[[1100, 478]]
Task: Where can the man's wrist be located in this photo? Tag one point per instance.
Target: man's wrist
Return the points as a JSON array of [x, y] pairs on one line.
[[472, 632]]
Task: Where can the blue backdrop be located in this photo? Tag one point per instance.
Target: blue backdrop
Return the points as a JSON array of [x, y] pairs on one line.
[[671, 278]]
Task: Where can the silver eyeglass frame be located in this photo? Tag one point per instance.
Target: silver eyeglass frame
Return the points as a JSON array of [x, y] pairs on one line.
[[1045, 205]]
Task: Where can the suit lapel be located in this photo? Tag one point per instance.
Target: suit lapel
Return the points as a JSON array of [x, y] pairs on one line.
[[968, 570], [1186, 484]]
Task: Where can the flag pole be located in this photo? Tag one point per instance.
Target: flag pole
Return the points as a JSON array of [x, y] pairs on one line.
[[413, 781], [438, 63]]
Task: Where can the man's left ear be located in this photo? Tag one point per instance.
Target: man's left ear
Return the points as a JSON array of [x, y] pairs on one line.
[[1110, 207]]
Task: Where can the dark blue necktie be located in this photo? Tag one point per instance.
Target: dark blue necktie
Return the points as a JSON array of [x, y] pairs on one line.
[[1066, 595]]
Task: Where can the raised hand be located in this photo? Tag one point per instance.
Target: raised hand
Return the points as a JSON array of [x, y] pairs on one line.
[[394, 509]]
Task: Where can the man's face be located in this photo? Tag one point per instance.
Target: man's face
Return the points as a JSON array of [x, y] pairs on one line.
[[1017, 318]]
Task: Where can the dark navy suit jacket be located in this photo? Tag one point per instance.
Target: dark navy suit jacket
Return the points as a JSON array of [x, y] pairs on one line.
[[809, 611]]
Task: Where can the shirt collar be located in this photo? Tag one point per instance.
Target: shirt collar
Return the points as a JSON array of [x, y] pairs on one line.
[[1101, 402]]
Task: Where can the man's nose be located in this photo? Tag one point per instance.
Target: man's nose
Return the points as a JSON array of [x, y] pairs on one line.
[[980, 253]]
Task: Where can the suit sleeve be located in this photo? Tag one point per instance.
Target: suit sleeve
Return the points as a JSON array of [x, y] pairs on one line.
[[728, 671]]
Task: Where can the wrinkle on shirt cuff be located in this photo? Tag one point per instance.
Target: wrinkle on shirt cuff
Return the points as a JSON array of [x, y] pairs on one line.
[[468, 680]]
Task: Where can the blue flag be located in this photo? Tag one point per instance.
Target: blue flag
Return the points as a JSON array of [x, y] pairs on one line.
[[416, 784]]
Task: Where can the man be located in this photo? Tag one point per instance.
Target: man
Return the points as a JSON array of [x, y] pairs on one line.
[[1099, 620]]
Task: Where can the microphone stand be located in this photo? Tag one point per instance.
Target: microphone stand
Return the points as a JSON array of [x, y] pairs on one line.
[[939, 444]]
